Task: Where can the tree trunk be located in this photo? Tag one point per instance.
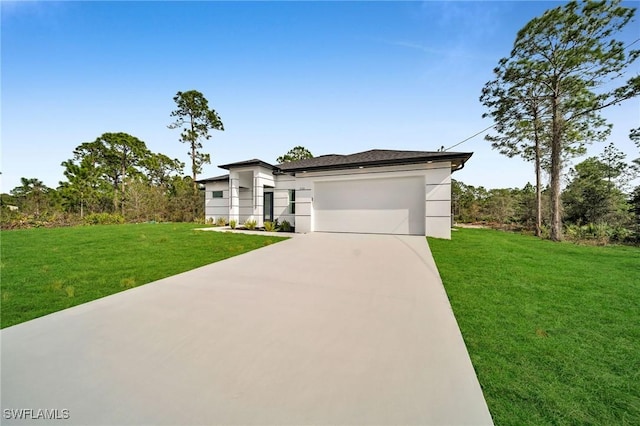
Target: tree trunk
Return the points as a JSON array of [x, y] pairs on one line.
[[122, 196], [536, 137], [115, 199], [193, 165], [556, 167], [538, 191]]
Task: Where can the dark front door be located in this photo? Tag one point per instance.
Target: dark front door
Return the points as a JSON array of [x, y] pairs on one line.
[[268, 206]]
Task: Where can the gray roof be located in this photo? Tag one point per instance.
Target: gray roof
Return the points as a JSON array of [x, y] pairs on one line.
[[374, 157], [214, 179], [252, 162], [371, 158]]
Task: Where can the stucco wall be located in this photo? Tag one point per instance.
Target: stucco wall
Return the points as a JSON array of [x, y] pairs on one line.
[[216, 207], [437, 194], [281, 200], [438, 201]]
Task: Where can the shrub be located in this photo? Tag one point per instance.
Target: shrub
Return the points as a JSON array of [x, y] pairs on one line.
[[209, 221], [103, 219], [599, 233], [269, 226], [620, 234], [285, 226], [250, 224], [221, 221], [233, 223]]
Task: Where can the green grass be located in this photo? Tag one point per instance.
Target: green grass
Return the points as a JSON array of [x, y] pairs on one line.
[[46, 270], [553, 329]]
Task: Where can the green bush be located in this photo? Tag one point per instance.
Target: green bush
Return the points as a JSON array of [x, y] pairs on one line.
[[250, 224], [285, 226], [620, 234], [270, 226], [221, 221], [599, 233], [103, 219], [591, 232], [11, 219], [233, 223]]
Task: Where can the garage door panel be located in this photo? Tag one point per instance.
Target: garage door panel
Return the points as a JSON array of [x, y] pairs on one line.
[[364, 221], [384, 206]]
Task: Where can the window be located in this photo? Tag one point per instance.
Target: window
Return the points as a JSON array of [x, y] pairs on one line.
[[216, 194], [292, 201], [268, 206]]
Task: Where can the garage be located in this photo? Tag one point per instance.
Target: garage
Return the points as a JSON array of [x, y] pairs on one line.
[[375, 206]]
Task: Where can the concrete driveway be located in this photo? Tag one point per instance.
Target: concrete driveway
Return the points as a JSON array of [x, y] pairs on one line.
[[319, 329]]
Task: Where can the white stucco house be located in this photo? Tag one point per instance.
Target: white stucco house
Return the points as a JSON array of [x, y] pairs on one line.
[[376, 191]]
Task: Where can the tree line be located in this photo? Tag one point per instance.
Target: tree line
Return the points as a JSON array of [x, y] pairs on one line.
[[599, 202], [117, 178]]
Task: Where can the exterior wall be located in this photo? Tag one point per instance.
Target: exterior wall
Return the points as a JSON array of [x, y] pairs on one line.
[[243, 194], [281, 201], [263, 181], [304, 204], [438, 201], [245, 205], [234, 196], [216, 207], [437, 178], [220, 207]]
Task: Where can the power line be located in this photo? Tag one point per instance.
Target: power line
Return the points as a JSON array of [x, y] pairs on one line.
[[493, 125], [470, 137]]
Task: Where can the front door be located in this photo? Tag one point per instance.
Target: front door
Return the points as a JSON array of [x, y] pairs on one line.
[[268, 206]]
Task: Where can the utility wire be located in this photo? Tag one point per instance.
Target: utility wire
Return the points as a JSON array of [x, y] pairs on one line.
[[470, 137], [484, 130]]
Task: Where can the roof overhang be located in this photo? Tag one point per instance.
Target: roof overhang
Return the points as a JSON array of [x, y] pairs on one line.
[[457, 160], [249, 163], [214, 179]]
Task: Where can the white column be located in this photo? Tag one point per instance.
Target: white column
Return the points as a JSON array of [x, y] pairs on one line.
[[234, 197], [258, 199]]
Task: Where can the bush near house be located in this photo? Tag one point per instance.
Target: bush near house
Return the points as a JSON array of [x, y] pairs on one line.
[[270, 226], [285, 226]]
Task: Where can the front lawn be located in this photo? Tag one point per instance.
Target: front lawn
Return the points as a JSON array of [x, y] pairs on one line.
[[46, 270], [553, 329]]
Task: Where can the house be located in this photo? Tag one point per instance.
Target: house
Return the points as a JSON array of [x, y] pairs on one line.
[[376, 191]]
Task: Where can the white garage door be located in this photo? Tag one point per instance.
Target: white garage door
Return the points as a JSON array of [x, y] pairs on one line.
[[377, 206]]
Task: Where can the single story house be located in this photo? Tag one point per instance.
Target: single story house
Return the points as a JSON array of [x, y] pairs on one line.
[[376, 191]]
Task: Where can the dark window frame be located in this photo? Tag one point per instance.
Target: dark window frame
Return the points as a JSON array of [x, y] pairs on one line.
[[267, 207], [292, 201]]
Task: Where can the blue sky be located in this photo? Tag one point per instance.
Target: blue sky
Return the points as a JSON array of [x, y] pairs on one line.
[[335, 77]]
